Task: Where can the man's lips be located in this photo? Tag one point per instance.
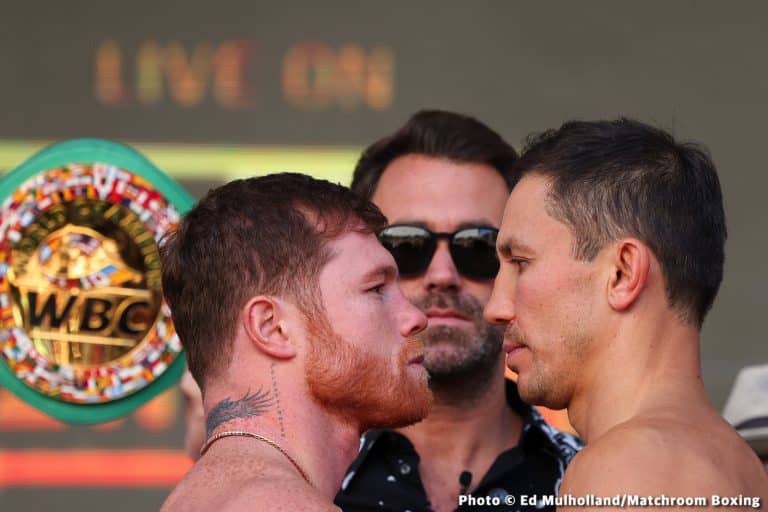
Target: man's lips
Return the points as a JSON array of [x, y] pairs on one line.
[[419, 359], [445, 316], [512, 346], [444, 313]]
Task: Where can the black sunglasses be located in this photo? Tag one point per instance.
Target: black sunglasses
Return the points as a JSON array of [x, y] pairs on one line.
[[473, 249]]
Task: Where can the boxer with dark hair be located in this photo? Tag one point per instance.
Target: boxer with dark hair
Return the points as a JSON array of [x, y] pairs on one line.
[[612, 251]]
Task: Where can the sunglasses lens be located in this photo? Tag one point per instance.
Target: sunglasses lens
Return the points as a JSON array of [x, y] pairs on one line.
[[474, 252], [411, 246]]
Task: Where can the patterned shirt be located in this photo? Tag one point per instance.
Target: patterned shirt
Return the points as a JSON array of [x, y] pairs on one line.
[[385, 477]]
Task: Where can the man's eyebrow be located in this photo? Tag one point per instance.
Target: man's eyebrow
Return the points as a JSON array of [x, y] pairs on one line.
[[477, 223], [509, 245], [471, 223], [408, 222], [386, 271]]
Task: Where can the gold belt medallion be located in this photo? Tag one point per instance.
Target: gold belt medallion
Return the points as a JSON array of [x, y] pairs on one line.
[[82, 316]]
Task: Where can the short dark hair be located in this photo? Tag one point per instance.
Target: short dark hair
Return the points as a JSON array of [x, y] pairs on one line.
[[436, 133], [265, 235], [624, 178]]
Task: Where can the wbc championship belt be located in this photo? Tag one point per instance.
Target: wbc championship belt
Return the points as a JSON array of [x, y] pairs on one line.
[[85, 335]]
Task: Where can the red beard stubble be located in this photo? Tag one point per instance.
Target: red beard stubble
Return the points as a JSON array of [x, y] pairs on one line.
[[362, 388]]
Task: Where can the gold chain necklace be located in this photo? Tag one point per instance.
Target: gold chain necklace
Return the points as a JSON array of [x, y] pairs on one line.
[[244, 433]]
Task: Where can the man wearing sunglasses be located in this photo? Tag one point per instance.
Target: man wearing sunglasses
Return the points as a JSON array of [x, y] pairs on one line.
[[442, 181]]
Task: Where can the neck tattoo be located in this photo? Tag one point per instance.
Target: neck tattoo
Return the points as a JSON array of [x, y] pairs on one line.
[[244, 433]]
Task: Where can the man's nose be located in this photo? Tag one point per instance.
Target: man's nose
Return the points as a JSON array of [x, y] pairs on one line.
[[441, 273], [500, 309], [413, 320]]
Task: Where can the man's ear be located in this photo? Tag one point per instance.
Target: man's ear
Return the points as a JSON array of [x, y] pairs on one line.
[[630, 260], [265, 321]]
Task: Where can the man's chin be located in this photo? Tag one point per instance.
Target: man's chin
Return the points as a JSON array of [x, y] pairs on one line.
[[400, 422], [376, 400], [537, 394], [451, 333], [414, 409], [448, 364]]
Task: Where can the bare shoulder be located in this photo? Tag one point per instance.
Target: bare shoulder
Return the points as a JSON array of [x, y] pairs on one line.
[[225, 488], [626, 459], [665, 455], [196, 489], [279, 494]]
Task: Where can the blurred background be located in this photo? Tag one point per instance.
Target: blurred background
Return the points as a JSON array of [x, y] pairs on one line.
[[210, 93]]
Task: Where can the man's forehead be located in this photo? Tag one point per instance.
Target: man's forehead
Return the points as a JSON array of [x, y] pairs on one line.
[[440, 194], [534, 186], [527, 220], [362, 248], [529, 197]]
